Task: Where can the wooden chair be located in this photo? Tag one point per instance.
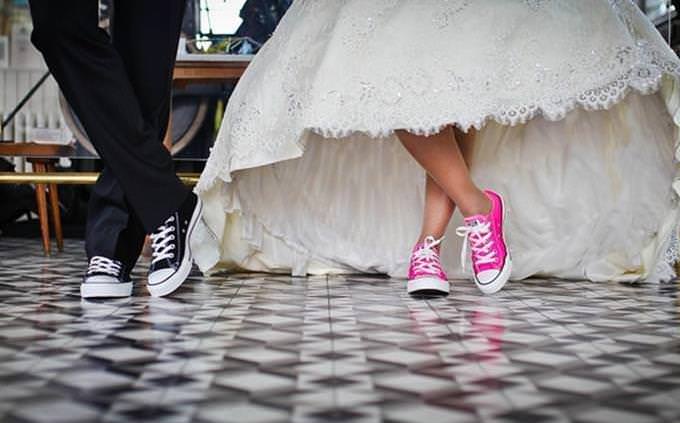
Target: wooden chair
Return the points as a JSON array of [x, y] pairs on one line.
[[43, 158]]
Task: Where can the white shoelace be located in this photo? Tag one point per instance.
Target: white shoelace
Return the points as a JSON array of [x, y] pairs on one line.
[[99, 264], [426, 258], [481, 243], [160, 241]]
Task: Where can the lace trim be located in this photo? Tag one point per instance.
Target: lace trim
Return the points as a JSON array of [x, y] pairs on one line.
[[664, 270], [672, 254], [644, 78]]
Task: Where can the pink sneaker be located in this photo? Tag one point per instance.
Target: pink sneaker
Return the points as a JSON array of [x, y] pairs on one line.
[[425, 273], [483, 234]]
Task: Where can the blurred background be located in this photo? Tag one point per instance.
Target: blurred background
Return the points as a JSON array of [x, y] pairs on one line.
[[234, 28]]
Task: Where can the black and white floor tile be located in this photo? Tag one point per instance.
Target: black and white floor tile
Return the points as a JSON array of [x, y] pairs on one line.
[[263, 348]]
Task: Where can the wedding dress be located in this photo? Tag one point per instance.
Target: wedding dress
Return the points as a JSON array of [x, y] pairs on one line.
[[576, 103]]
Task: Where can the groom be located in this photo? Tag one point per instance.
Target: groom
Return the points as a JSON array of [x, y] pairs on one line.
[[120, 89]]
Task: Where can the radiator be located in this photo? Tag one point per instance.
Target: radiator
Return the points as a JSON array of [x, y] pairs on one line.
[[40, 119], [41, 115]]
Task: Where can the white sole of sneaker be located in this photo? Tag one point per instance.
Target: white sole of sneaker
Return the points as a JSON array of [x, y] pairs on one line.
[[105, 290], [427, 284], [504, 275], [500, 281], [174, 281]]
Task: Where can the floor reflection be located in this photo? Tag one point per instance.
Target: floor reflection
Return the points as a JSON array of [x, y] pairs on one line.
[[262, 348]]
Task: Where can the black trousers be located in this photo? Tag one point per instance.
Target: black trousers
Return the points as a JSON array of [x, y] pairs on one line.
[[120, 90]]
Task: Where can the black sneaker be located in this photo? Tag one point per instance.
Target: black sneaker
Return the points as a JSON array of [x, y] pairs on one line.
[[171, 258], [105, 278]]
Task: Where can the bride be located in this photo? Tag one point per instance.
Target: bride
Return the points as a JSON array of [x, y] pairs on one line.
[[350, 137]]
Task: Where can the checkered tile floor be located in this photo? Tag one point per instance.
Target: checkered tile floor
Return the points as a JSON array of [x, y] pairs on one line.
[[259, 348]]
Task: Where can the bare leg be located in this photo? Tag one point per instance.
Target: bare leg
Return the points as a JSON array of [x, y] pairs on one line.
[[442, 158], [438, 211], [465, 143], [438, 206]]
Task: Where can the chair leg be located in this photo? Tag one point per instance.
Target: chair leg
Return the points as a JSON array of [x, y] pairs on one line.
[[41, 198], [56, 211], [56, 216]]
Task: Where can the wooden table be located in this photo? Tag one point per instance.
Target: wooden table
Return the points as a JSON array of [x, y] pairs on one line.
[[194, 70], [201, 69], [43, 157]]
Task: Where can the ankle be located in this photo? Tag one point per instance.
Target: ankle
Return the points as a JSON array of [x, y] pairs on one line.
[[434, 234], [476, 204]]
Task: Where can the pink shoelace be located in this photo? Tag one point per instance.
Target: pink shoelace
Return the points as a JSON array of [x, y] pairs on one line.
[[479, 238], [425, 260]]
